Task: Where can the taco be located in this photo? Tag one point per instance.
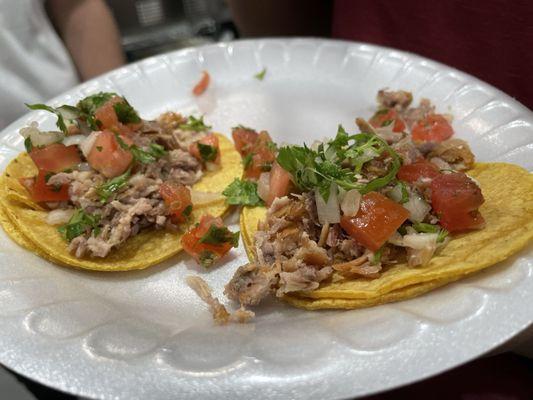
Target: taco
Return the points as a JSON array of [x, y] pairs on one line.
[[389, 213], [111, 191]]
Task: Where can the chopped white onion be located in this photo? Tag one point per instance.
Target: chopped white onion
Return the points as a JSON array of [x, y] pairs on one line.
[[351, 202], [87, 145], [328, 212], [417, 207], [84, 167], [211, 166], [263, 186], [421, 247], [396, 239], [39, 138], [396, 193], [59, 216], [204, 198], [74, 140]]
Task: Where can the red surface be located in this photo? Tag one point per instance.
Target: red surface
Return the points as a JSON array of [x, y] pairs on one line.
[[489, 39]]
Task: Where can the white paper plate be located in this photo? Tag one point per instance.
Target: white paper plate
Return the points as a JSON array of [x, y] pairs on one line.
[[145, 334]]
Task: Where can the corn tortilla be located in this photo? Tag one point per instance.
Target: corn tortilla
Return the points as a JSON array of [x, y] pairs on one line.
[[508, 212], [25, 222]]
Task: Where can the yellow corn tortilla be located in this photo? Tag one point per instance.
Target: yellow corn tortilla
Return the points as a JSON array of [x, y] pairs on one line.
[[508, 212], [25, 222]]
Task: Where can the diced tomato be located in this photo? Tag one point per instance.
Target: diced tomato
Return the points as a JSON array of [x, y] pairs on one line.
[[418, 170], [202, 84], [244, 139], [262, 155], [40, 191], [55, 157], [280, 181], [204, 253], [456, 199], [386, 117], [209, 140], [178, 200], [108, 119], [433, 128], [377, 219], [107, 157]]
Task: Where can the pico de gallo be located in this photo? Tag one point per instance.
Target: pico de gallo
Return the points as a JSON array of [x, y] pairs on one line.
[[106, 174], [355, 204]]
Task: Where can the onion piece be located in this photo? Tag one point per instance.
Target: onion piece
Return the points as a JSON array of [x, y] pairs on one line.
[[74, 140], [417, 207], [84, 167], [59, 216], [263, 186], [87, 145], [351, 202], [421, 247], [328, 212], [39, 138]]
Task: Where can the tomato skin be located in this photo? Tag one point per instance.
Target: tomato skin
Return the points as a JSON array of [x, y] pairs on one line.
[[377, 219], [432, 128], [280, 181], [107, 157], [55, 157], [418, 170], [381, 118], [456, 199], [40, 191], [108, 119], [244, 139], [178, 200], [191, 240], [202, 84], [210, 140], [262, 154]]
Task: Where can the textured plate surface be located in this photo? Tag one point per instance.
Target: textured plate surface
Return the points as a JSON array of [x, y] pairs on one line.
[[144, 334]]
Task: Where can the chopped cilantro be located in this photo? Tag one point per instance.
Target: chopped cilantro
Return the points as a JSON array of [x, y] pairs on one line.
[[154, 151], [194, 124], [376, 258], [218, 235], [112, 186], [207, 152], [47, 176], [247, 160], [63, 113], [429, 228], [91, 103], [272, 146], [261, 75], [126, 113], [80, 223], [207, 258], [387, 122], [28, 144], [240, 192], [338, 161], [187, 211], [99, 148]]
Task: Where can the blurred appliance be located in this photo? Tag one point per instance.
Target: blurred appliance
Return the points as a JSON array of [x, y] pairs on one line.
[[150, 27]]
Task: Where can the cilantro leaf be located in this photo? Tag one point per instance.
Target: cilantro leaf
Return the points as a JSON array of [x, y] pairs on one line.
[[154, 151], [207, 258], [91, 103], [62, 113], [126, 113], [429, 228], [218, 235], [194, 124], [207, 152], [112, 186], [28, 144], [241, 192], [79, 224], [261, 75], [247, 160]]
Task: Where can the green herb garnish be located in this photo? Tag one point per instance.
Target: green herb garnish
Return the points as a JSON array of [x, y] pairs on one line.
[[240, 192], [62, 113], [218, 235], [194, 124], [154, 151], [261, 75], [91, 103], [28, 144], [338, 161], [126, 113], [247, 160], [422, 227], [207, 152], [112, 186], [376, 258], [207, 258], [79, 224]]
